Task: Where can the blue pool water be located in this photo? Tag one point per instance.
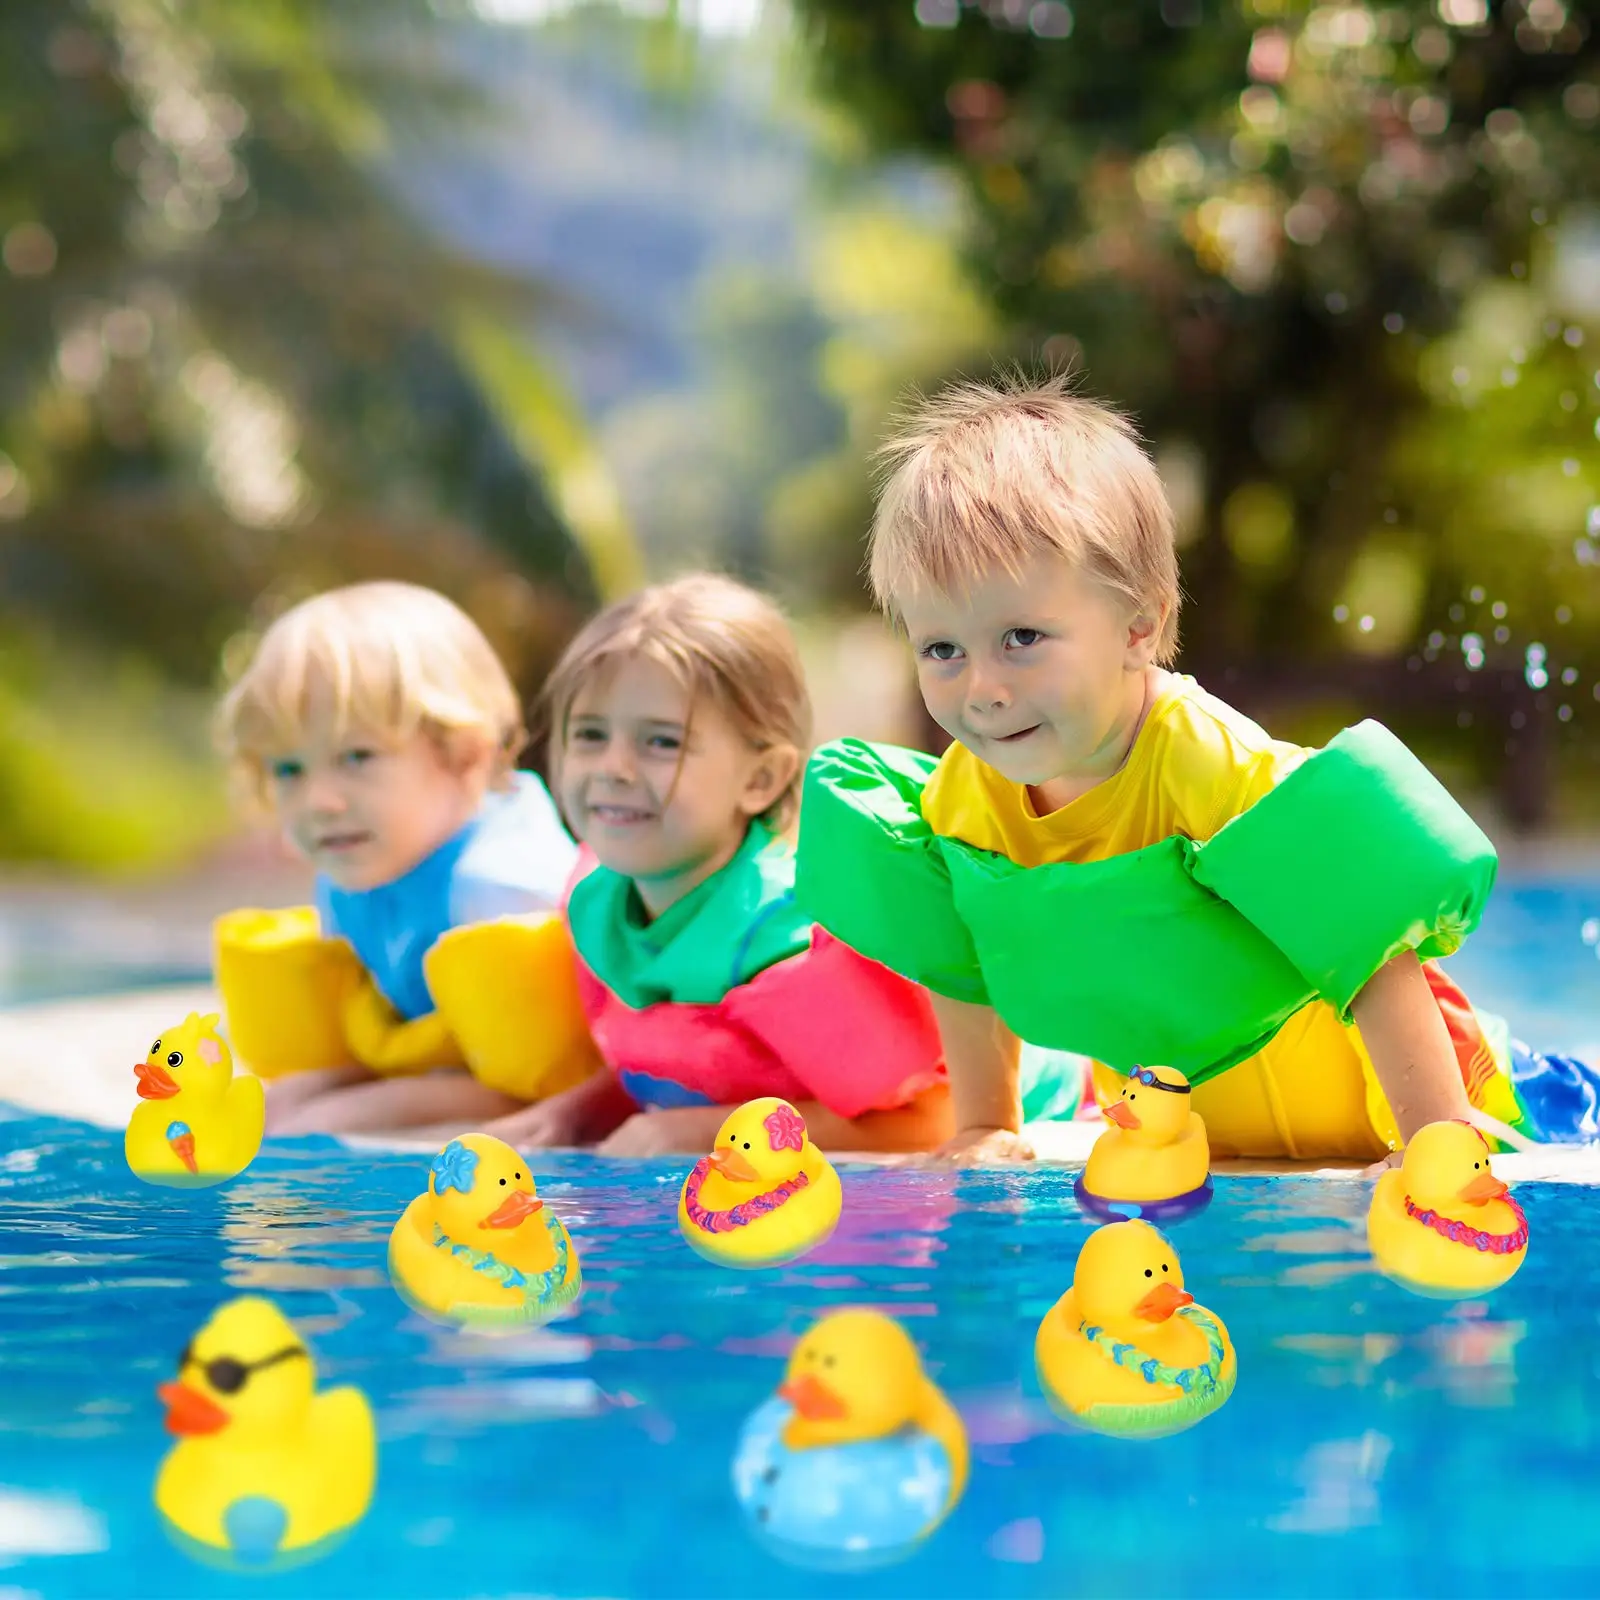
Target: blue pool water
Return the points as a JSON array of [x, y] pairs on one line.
[[1376, 1443]]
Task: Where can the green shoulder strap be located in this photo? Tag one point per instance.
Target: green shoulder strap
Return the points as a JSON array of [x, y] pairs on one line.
[[873, 873], [1188, 955]]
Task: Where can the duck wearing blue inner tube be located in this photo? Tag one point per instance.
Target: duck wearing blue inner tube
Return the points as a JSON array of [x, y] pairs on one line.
[[1126, 1351], [859, 1456], [480, 1246], [1153, 1161]]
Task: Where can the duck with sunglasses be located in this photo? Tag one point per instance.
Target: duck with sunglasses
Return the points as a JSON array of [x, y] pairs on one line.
[[266, 1473], [1153, 1162]]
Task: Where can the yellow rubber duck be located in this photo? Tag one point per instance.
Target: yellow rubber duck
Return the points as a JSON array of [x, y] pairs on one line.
[[857, 1375], [1441, 1224], [1126, 1351], [1153, 1160], [480, 1246], [265, 1468], [765, 1194], [199, 1124]]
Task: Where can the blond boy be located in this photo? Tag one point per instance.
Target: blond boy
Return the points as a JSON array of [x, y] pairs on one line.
[[1024, 544], [381, 730]]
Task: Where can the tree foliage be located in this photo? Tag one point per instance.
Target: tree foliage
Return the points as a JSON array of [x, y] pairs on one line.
[[229, 360], [1337, 258]]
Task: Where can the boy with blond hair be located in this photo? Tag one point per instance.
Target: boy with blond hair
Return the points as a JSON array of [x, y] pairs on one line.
[[1109, 858], [382, 732]]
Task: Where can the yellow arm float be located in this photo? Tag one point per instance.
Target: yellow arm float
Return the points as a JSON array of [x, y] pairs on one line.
[[509, 991]]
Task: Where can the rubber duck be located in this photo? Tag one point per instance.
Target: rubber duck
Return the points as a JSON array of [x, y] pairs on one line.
[[266, 1472], [480, 1247], [1126, 1351], [1153, 1161], [859, 1456], [1441, 1224], [765, 1194], [198, 1125]]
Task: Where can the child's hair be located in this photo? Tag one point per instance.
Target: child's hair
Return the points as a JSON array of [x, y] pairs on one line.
[[394, 658], [720, 641], [989, 475]]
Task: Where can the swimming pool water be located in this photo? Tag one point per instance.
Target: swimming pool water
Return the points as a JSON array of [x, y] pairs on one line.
[[1376, 1443]]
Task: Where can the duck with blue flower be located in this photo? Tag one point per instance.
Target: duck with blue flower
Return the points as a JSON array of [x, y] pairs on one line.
[[480, 1247]]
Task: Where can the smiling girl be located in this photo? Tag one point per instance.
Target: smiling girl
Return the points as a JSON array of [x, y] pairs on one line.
[[679, 725], [382, 731]]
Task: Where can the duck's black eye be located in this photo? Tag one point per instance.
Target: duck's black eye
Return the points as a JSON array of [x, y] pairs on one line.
[[517, 1176], [1474, 1166], [747, 1144], [175, 1058], [1148, 1273], [1163, 1266], [502, 1183], [155, 1049], [1133, 1097]]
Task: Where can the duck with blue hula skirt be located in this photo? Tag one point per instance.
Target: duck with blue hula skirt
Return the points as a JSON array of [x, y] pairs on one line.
[[480, 1247]]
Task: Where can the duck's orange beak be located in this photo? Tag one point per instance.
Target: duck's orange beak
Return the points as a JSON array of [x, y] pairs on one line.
[[189, 1412], [1483, 1188], [1162, 1301], [155, 1083], [812, 1398], [1121, 1113], [516, 1208], [735, 1165]]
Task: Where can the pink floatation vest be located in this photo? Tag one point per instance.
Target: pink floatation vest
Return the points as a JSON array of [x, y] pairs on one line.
[[733, 993]]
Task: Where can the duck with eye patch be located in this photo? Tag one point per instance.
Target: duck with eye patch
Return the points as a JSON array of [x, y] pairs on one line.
[[1153, 1161], [765, 1195], [480, 1246], [1126, 1351], [196, 1124], [860, 1456], [267, 1473], [1441, 1224]]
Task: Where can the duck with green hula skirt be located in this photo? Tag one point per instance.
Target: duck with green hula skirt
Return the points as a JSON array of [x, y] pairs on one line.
[[1126, 1351]]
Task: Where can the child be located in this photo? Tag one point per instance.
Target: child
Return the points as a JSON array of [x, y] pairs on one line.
[[1049, 870], [679, 724], [380, 727]]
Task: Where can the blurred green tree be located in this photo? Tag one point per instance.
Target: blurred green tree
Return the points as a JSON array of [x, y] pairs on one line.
[[234, 369], [1264, 226]]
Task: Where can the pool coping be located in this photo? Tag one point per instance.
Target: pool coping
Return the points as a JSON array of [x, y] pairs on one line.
[[88, 1047]]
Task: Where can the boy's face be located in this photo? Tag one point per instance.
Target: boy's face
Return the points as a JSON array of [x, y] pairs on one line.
[[365, 808], [661, 792], [1034, 674]]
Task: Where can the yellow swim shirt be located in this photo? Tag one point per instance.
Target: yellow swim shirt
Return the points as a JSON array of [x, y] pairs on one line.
[[1196, 764]]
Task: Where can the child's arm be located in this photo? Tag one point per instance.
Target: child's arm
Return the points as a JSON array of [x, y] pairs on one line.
[[981, 1056], [692, 1130], [577, 1116], [1410, 1046]]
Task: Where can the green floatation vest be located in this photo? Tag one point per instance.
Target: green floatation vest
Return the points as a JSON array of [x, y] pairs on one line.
[[1188, 955]]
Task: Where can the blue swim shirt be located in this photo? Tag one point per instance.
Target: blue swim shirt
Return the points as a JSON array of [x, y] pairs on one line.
[[513, 857]]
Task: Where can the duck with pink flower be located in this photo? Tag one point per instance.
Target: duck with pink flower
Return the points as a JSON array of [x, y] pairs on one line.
[[765, 1195]]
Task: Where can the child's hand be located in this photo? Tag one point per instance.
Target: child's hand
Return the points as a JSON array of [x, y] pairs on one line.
[[1378, 1168], [573, 1117], [986, 1147], [681, 1130]]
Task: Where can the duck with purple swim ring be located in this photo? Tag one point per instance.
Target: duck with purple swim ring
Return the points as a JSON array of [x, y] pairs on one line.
[[1153, 1163]]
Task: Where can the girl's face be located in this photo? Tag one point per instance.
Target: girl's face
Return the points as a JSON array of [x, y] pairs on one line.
[[660, 795], [364, 807]]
